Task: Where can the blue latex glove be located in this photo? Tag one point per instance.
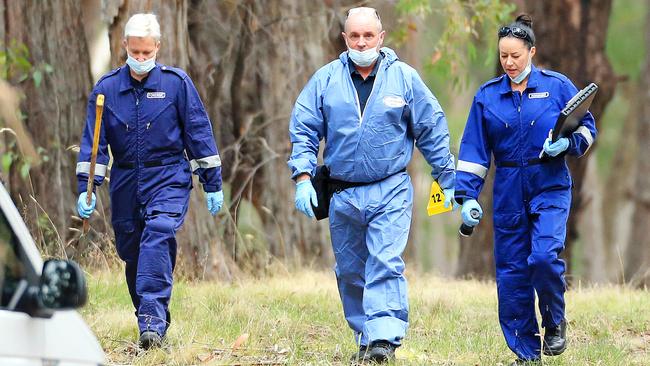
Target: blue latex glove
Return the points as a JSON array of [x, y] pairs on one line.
[[214, 201], [84, 210], [468, 206], [557, 147], [449, 197], [305, 197]]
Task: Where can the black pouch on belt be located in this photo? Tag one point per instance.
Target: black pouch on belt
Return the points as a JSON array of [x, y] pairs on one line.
[[325, 187], [320, 182]]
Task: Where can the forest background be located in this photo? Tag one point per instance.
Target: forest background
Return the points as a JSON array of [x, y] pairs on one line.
[[250, 59]]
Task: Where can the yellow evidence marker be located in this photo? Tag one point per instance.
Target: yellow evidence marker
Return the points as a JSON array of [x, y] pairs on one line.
[[436, 203]]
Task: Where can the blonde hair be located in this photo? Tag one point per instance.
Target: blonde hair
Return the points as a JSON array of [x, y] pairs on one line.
[[142, 25]]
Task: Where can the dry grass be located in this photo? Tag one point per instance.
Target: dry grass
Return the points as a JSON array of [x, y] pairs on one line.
[[297, 320]]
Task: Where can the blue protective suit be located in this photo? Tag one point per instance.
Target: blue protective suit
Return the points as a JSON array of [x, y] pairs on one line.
[[369, 224], [531, 197], [152, 130]]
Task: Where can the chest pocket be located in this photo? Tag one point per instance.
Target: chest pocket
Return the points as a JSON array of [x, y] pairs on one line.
[[498, 123], [541, 118], [118, 130], [539, 111], [503, 131], [387, 113], [159, 114], [163, 128]]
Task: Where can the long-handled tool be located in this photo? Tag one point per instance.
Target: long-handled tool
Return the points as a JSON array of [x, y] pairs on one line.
[[99, 110]]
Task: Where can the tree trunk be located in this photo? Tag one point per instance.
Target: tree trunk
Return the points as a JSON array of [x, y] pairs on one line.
[[249, 59], [620, 205], [571, 37], [201, 253], [54, 111], [637, 270]]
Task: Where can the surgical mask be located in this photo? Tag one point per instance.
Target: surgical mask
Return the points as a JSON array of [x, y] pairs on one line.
[[522, 75], [141, 68], [363, 58]]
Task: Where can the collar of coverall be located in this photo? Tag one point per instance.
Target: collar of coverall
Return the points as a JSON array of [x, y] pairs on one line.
[[533, 80], [375, 68], [152, 82], [388, 55]]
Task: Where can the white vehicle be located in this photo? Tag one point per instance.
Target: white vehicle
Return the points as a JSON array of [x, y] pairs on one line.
[[38, 325]]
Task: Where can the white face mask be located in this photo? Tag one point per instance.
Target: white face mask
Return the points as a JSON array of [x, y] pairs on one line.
[[522, 75], [141, 68], [363, 58]]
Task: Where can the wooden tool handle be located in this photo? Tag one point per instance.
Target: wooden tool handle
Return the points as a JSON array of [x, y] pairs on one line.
[[99, 110]]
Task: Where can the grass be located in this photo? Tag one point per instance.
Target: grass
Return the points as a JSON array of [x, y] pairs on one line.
[[297, 320]]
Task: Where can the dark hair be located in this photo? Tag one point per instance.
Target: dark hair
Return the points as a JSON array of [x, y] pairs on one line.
[[521, 28]]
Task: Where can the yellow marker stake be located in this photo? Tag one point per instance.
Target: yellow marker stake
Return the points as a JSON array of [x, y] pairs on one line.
[[436, 203]]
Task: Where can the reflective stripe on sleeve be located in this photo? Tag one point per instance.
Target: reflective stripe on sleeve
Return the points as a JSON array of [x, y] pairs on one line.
[[84, 167], [584, 131], [466, 166], [207, 162]]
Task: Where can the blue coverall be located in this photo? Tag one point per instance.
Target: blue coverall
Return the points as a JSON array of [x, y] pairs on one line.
[[369, 224], [153, 127], [531, 197]]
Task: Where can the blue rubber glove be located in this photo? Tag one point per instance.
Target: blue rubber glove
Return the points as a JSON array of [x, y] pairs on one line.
[[305, 197], [449, 197], [557, 147], [468, 206], [84, 210], [214, 201]]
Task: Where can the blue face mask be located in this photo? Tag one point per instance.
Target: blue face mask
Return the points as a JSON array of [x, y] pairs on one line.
[[141, 68], [363, 58], [522, 75]]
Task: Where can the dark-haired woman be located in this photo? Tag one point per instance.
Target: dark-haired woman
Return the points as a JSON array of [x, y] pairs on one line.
[[510, 118]]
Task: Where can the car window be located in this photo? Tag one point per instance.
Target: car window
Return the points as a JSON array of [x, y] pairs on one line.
[[12, 269]]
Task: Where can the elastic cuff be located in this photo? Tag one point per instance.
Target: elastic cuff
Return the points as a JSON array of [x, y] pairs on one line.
[[83, 187], [211, 187], [462, 196], [446, 180]]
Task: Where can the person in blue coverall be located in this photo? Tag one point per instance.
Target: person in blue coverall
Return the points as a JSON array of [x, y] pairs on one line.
[[154, 122], [369, 107], [510, 118]]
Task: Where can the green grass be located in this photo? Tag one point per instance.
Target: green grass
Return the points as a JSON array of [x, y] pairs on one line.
[[297, 320]]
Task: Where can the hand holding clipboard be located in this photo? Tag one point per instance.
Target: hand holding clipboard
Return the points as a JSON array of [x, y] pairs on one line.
[[570, 117]]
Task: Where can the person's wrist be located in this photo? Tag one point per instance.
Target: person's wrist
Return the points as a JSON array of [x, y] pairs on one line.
[[302, 177]]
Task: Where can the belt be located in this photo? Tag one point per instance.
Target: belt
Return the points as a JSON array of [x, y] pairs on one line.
[[337, 186], [149, 164], [517, 164]]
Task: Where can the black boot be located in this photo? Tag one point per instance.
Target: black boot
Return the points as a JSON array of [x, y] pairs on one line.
[[555, 339], [381, 352], [149, 339], [360, 356]]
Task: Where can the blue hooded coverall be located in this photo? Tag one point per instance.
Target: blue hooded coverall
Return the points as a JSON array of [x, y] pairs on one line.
[[369, 224], [151, 127], [531, 198]]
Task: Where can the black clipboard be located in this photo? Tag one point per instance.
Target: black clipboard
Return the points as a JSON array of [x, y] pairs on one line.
[[569, 119]]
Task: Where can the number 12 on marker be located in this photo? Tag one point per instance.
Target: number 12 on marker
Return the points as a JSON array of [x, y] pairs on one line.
[[436, 203]]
